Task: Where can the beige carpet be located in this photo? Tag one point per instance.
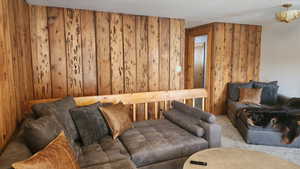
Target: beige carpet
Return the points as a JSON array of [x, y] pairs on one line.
[[232, 138]]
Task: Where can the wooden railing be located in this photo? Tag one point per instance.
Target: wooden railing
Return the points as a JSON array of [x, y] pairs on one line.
[[159, 99]]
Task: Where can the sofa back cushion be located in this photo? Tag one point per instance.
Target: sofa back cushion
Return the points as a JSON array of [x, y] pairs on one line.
[[194, 112], [269, 93], [90, 123], [39, 133], [117, 117], [57, 155], [16, 150], [60, 109], [234, 89]]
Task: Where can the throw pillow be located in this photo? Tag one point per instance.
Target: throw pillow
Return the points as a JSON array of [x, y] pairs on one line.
[[248, 95], [269, 93], [60, 109], [39, 133], [117, 117], [57, 155], [90, 123], [234, 89]]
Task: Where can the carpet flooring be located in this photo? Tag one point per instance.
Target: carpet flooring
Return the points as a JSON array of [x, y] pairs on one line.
[[232, 138]]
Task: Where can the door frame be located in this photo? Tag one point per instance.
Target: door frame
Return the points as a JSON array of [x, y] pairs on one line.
[[191, 33]]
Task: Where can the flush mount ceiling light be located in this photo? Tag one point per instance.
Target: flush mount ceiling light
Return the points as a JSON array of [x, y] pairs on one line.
[[288, 15]]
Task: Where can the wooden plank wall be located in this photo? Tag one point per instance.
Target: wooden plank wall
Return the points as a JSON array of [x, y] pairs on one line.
[[104, 53], [235, 57], [55, 52], [16, 86]]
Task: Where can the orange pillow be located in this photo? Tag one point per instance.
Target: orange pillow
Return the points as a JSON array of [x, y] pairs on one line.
[[117, 117], [56, 155], [250, 95]]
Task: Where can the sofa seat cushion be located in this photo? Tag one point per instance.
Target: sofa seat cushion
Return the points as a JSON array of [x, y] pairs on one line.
[[160, 140], [106, 151], [121, 164]]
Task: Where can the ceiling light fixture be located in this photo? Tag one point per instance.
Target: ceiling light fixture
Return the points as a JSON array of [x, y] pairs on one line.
[[288, 15]]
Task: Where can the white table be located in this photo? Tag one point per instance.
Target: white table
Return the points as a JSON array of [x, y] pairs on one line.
[[234, 158]]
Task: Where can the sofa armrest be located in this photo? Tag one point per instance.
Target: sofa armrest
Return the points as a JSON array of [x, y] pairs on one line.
[[15, 151], [212, 133], [235, 106], [194, 112], [184, 121], [281, 99]]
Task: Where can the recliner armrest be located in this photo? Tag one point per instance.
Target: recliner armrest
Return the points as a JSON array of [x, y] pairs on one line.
[[212, 133]]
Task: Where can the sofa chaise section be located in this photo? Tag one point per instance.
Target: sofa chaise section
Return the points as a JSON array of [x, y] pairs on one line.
[[160, 140]]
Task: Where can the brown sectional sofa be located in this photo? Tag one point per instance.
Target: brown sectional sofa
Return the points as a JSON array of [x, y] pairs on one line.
[[153, 144]]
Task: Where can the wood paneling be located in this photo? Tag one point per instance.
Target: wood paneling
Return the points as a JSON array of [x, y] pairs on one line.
[[153, 45], [7, 96], [40, 52], [235, 57], [89, 53], [242, 68], [116, 51], [164, 60], [129, 53], [16, 86], [217, 66], [58, 51], [54, 52], [236, 52], [103, 53], [142, 53], [176, 69], [142, 60], [164, 52], [257, 53], [182, 53], [73, 51], [109, 53]]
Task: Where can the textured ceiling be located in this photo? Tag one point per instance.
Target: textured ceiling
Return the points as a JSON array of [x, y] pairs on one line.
[[196, 12]]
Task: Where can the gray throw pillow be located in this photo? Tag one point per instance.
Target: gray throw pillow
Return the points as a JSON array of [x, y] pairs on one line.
[[39, 133], [234, 89], [90, 123], [60, 109], [269, 93]]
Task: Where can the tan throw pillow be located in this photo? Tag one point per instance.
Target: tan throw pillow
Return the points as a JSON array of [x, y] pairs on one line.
[[250, 95], [58, 154], [117, 117]]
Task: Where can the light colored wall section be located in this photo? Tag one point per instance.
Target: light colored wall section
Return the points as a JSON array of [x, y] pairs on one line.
[[281, 56]]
